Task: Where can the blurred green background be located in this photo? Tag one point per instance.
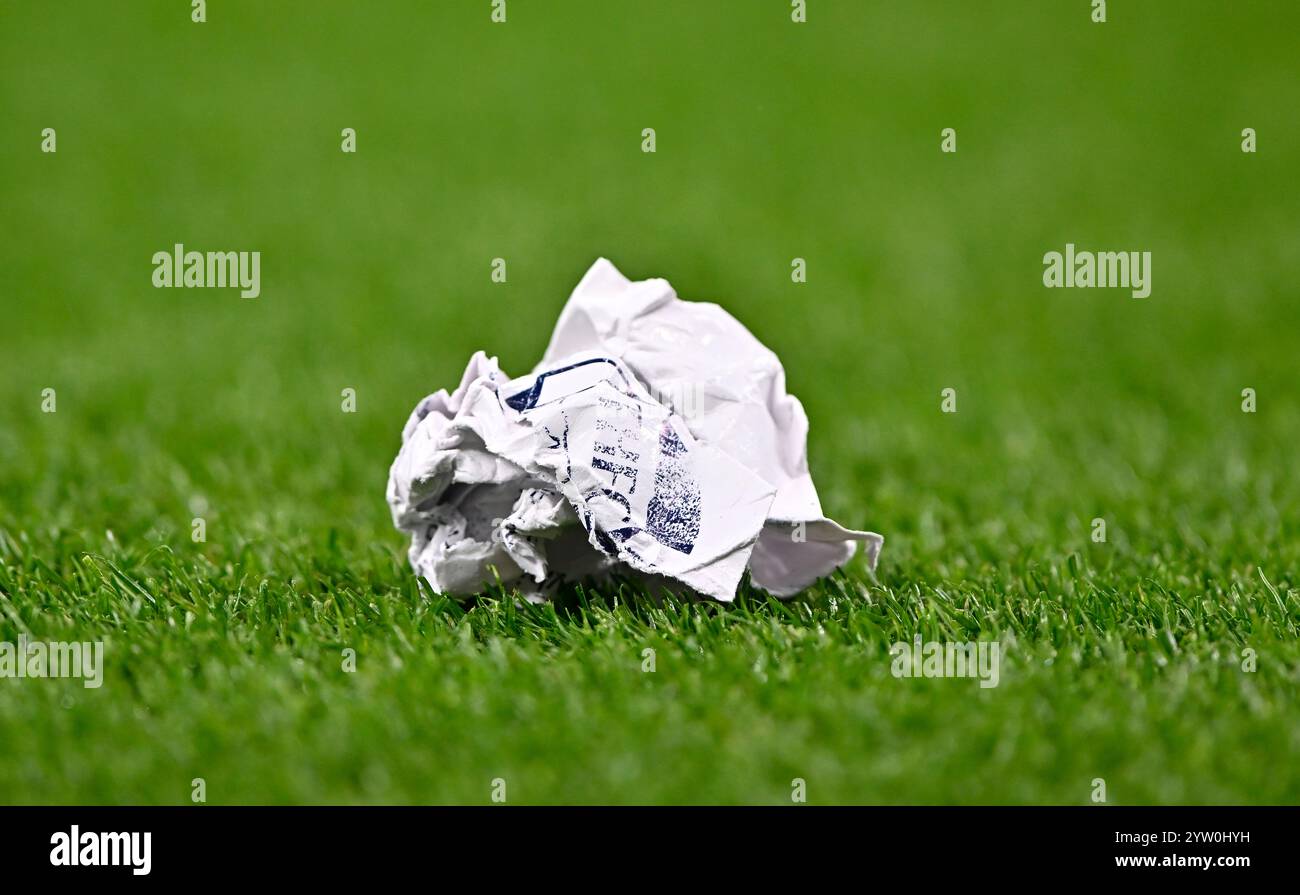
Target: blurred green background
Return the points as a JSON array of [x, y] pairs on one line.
[[775, 140]]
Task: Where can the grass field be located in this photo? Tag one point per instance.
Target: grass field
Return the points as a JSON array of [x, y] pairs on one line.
[[1123, 660]]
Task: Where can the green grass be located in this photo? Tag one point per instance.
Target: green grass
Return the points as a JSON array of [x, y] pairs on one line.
[[1123, 659]]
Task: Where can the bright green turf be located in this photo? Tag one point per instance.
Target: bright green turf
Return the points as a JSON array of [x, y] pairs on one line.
[[774, 141]]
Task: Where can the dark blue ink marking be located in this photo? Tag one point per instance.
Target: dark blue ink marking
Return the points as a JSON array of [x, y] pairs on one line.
[[673, 514], [562, 442], [527, 399]]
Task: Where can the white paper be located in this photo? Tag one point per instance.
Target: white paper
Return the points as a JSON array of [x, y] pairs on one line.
[[655, 436]]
